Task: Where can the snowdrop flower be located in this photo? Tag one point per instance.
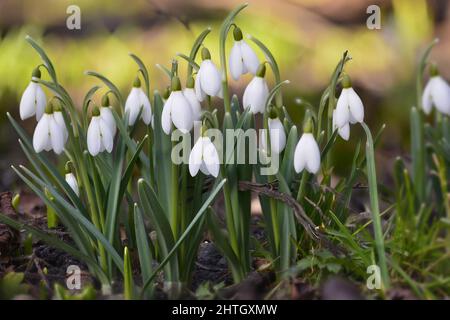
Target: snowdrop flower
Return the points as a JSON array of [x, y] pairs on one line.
[[107, 116], [307, 153], [59, 118], [189, 94], [177, 110], [99, 137], [48, 134], [208, 80], [242, 57], [136, 101], [344, 131], [349, 106], [204, 156], [277, 135], [257, 91], [436, 93], [33, 100], [71, 179]]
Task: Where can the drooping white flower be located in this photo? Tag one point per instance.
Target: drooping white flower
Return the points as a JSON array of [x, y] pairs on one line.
[[189, 94], [137, 100], [33, 100], [307, 154], [107, 116], [204, 157], [177, 110], [48, 134], [436, 93], [277, 136], [59, 118], [99, 137], [72, 182], [344, 131], [208, 80], [256, 93], [349, 108], [242, 57]]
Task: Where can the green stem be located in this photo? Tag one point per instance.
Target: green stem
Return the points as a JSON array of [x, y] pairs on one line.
[[174, 217], [373, 192]]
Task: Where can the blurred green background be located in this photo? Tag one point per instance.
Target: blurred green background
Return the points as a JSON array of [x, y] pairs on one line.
[[307, 37]]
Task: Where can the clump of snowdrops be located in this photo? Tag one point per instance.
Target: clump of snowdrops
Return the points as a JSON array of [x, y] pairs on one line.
[[119, 186]]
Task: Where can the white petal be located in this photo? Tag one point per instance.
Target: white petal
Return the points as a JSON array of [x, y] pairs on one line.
[[93, 136], [181, 112], [236, 63], [344, 132], [210, 78], [195, 158], [72, 182], [249, 57], [342, 115], [166, 116], [299, 156], [312, 153], [255, 95], [277, 135], [204, 169], [198, 87], [426, 98], [146, 114], [56, 135], [41, 102], [440, 94], [27, 102], [41, 135], [105, 134], [107, 116], [132, 106], [211, 157], [196, 108], [58, 116], [355, 105]]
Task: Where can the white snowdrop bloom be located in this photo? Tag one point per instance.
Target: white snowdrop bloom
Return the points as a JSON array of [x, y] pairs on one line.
[[99, 137], [72, 182], [107, 116], [208, 80], [48, 134], [436, 93], [256, 93], [137, 100], [307, 154], [344, 131], [349, 106], [177, 110], [189, 94], [59, 118], [33, 100], [242, 57], [277, 136], [204, 157]]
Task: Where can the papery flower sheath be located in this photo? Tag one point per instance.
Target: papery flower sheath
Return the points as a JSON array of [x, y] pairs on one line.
[[242, 57], [48, 134], [204, 157], [177, 110], [99, 137], [256, 93], [208, 80], [436, 93], [137, 100], [33, 100]]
